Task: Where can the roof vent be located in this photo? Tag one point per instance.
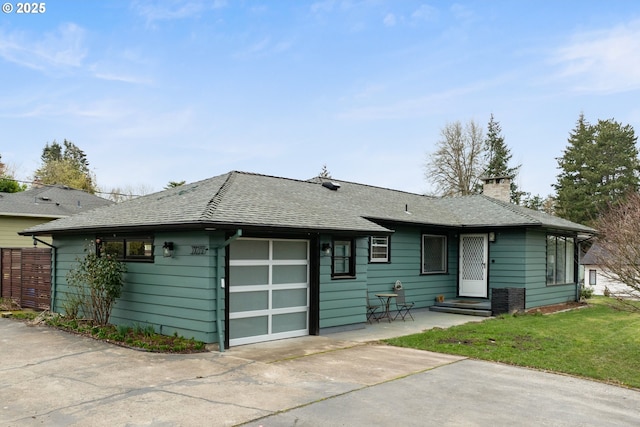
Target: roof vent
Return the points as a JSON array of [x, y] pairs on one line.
[[331, 185]]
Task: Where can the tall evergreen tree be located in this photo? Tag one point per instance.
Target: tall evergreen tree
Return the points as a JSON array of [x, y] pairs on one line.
[[498, 158], [598, 169]]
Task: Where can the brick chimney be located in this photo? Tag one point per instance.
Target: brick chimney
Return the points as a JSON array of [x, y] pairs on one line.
[[497, 187]]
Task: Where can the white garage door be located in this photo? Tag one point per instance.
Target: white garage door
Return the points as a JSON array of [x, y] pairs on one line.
[[268, 290]]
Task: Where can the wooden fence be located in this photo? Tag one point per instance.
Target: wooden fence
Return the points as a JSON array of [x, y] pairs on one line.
[[26, 276]]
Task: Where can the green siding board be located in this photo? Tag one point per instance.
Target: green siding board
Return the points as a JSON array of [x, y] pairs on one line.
[[172, 315], [202, 303], [342, 319], [169, 291]]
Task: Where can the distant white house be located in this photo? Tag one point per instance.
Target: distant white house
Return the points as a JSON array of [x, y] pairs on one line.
[[596, 276]]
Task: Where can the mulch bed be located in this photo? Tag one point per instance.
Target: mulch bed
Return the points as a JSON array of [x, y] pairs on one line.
[[548, 309]]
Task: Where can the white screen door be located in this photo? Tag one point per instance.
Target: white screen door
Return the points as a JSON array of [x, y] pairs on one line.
[[474, 250]]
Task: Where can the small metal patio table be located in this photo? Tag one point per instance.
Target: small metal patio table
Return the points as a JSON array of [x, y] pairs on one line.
[[385, 299]]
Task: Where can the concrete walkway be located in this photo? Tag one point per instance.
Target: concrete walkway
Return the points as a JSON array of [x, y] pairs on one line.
[[51, 378]]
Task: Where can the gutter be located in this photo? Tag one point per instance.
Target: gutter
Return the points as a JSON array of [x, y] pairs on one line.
[[220, 286], [53, 269]]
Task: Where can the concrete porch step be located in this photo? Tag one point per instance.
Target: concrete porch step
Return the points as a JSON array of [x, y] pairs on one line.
[[473, 307], [461, 310]]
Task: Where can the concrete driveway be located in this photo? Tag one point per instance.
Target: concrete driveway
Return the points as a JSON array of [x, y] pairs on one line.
[[51, 378]]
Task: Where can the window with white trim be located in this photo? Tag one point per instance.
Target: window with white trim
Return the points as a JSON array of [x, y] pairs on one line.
[[434, 253], [560, 260], [379, 249]]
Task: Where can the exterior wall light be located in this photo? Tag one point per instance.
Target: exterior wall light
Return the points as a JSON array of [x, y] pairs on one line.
[[492, 236], [167, 249], [326, 248]]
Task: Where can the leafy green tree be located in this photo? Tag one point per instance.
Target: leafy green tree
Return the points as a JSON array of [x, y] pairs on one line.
[[174, 184], [457, 164], [8, 184], [66, 165], [599, 169], [498, 157]]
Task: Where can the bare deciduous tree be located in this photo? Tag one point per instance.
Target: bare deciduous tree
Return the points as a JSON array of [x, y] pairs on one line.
[[455, 167], [619, 254]]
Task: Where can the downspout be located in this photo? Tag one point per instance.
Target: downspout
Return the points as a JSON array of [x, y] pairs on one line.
[[221, 285], [53, 269]]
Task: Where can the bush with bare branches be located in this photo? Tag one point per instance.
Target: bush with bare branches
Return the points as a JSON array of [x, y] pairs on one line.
[[619, 254]]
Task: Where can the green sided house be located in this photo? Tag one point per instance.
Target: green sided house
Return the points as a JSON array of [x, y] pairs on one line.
[[243, 258]]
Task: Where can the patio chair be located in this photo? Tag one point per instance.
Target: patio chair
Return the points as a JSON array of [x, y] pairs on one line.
[[371, 310], [402, 305]]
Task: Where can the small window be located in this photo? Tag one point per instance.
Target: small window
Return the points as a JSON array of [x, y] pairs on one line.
[[560, 260], [434, 254], [379, 249], [130, 248], [343, 259], [592, 277]]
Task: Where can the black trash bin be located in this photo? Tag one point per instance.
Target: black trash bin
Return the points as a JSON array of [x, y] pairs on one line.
[[507, 300]]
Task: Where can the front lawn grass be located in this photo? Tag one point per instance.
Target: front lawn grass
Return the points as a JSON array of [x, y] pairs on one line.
[[597, 342]]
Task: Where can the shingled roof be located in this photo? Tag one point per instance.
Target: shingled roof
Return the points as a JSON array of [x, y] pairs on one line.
[[240, 199], [56, 201]]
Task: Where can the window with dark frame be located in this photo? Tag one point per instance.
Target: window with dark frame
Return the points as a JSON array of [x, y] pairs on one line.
[[379, 249], [434, 253], [592, 277], [560, 260], [343, 259], [127, 248]]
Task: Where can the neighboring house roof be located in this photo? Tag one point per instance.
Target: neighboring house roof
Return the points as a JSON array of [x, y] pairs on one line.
[[240, 199], [53, 202], [594, 255]]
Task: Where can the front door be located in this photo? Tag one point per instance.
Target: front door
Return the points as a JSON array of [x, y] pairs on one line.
[[474, 251]]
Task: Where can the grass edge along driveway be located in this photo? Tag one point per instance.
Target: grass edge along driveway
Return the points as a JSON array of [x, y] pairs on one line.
[[596, 342]]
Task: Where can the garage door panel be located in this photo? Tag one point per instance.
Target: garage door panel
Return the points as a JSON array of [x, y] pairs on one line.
[[288, 322], [289, 298], [249, 249], [289, 250], [249, 275], [283, 274], [248, 327], [249, 301]]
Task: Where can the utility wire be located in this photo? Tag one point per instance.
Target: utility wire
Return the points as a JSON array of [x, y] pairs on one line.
[[53, 185]]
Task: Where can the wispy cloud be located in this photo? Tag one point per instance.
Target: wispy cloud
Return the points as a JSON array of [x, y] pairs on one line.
[[124, 78], [263, 47], [416, 107], [425, 13], [126, 66], [154, 11], [54, 51], [389, 20], [323, 6], [604, 61]]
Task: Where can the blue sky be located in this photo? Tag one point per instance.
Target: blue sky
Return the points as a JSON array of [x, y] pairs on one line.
[[159, 91]]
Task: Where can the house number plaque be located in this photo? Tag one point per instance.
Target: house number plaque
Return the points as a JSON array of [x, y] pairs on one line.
[[198, 249]]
